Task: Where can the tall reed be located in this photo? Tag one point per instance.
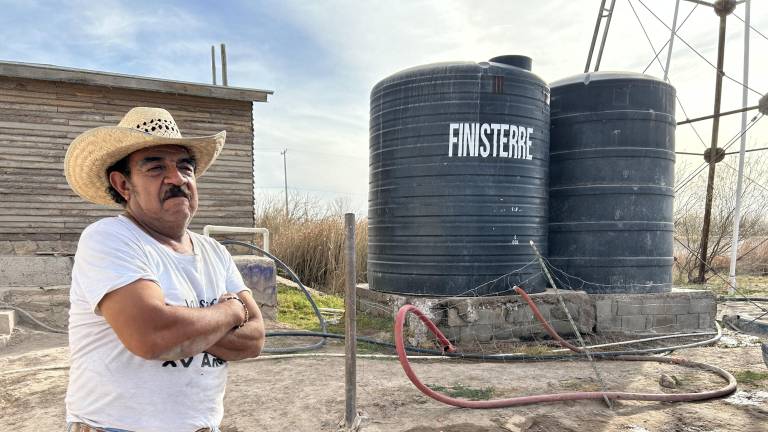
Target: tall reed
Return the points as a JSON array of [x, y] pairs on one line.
[[310, 239]]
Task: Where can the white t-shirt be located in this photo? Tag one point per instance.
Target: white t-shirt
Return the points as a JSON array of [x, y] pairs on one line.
[[108, 385]]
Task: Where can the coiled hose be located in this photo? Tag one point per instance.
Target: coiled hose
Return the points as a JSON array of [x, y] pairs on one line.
[[553, 397], [323, 324]]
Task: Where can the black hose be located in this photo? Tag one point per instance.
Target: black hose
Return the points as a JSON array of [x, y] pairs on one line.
[[323, 325], [741, 299], [504, 357]]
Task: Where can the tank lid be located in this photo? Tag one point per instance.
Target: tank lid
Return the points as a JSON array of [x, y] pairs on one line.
[[586, 78], [518, 61]]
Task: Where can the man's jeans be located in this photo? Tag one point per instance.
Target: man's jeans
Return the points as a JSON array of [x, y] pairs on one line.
[[69, 428]]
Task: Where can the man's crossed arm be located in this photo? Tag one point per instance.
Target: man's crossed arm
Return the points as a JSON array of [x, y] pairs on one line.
[[154, 330]]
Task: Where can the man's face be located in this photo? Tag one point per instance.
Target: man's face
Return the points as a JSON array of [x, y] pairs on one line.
[[161, 187]]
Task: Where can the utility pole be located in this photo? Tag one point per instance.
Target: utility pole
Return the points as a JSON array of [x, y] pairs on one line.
[[285, 176], [723, 8], [742, 150]]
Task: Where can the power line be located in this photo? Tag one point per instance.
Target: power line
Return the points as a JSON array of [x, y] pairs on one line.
[[754, 182], [656, 58], [292, 188], [753, 29], [667, 42], [690, 178], [730, 142], [752, 122], [280, 150], [698, 53]]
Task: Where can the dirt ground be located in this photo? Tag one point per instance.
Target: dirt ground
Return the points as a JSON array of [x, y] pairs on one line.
[[307, 393]]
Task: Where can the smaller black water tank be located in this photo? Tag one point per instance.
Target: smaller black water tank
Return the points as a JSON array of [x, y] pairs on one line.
[[611, 182]]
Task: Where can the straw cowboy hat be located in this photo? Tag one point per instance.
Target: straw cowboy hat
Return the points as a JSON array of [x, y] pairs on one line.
[[95, 150]]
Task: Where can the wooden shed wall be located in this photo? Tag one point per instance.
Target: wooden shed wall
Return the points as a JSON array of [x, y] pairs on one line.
[[38, 120]]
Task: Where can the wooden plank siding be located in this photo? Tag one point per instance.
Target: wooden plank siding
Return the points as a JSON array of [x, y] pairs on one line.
[[38, 120]]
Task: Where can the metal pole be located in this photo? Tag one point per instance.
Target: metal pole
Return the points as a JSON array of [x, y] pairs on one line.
[[285, 176], [671, 41], [722, 114], [605, 36], [594, 36], [223, 64], [723, 10], [213, 63], [350, 314], [742, 150]]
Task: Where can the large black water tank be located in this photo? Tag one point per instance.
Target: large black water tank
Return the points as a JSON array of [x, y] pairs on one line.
[[611, 182], [452, 204]]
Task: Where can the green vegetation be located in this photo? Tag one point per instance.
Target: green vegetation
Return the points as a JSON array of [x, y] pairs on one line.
[[294, 308], [461, 391], [754, 286], [296, 311], [750, 377], [748, 285]]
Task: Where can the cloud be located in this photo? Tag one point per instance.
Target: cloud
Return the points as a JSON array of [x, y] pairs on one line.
[[323, 58]]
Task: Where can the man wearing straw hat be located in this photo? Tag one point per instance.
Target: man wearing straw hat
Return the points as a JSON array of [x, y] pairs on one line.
[[156, 310]]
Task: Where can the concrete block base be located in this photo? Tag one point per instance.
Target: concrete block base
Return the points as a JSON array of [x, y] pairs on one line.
[[467, 320], [680, 310]]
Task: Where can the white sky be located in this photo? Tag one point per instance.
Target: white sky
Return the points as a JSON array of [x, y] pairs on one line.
[[323, 57]]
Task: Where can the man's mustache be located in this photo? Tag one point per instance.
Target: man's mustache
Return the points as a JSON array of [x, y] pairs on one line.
[[175, 192]]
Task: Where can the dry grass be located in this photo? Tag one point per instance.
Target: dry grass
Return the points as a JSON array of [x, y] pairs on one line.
[[311, 241]]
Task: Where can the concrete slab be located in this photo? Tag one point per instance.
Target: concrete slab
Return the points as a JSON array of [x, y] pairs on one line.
[[747, 317], [7, 321], [259, 275]]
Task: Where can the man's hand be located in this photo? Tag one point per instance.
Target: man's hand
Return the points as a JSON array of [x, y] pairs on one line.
[[246, 341]]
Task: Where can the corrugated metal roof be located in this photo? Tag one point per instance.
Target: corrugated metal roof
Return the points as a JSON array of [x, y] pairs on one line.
[[107, 79]]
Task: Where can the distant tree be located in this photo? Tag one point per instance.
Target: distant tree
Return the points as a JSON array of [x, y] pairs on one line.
[[689, 213]]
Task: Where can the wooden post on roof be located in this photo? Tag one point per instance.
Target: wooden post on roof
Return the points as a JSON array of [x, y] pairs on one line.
[[213, 63]]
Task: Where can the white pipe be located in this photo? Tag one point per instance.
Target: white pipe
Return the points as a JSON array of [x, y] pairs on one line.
[[740, 179], [671, 41], [212, 229]]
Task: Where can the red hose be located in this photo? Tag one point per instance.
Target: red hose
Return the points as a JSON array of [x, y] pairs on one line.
[[554, 397]]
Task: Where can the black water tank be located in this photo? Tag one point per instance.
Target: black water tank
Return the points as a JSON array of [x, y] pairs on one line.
[[611, 182], [458, 178]]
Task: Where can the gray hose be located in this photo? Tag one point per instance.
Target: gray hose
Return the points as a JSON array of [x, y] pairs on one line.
[[33, 319], [323, 324]]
